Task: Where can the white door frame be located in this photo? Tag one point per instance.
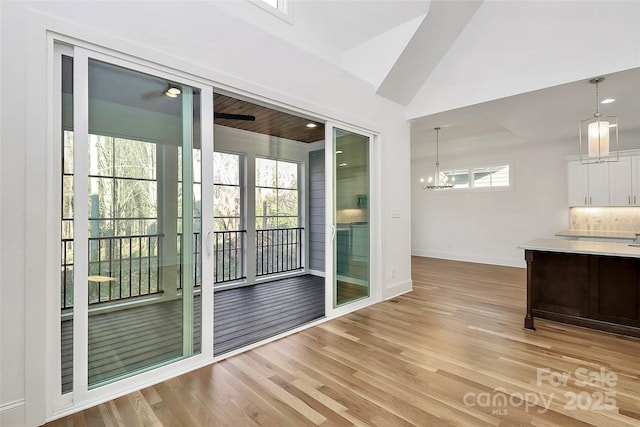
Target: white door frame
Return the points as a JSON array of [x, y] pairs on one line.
[[81, 397], [375, 290]]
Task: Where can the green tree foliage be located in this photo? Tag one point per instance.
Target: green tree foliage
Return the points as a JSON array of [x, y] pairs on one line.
[[226, 178], [276, 194]]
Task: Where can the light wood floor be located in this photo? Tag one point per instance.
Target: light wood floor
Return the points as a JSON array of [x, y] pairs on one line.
[[452, 352]]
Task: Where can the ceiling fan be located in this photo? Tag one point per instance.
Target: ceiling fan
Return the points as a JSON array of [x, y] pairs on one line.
[[173, 91], [230, 116]]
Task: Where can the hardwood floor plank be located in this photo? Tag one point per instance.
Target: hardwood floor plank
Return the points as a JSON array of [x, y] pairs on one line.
[[452, 352]]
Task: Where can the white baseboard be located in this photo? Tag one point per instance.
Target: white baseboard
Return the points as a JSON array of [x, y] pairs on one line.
[[396, 289], [316, 273], [12, 414], [481, 259]]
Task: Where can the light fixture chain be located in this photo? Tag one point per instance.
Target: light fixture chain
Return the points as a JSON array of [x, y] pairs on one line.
[[597, 99], [437, 146]]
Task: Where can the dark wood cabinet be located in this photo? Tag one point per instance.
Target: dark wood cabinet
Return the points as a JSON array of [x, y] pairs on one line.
[[560, 280], [596, 291], [614, 290]]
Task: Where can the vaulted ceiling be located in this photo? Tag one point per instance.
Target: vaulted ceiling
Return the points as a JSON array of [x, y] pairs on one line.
[[486, 71], [483, 70]]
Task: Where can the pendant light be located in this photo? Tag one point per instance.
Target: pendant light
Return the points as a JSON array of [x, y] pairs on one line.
[[598, 134], [439, 178]]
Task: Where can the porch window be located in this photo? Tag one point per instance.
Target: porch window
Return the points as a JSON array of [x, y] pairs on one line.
[[229, 242], [278, 235], [276, 194], [123, 218]]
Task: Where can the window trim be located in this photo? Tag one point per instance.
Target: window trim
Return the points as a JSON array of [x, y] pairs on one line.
[[283, 11], [470, 171], [298, 215]]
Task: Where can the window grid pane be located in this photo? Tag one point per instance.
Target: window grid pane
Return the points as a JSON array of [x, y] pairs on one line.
[[500, 176], [276, 194], [482, 177], [459, 177], [227, 192]]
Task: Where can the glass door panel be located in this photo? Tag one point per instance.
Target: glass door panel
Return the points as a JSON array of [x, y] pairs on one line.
[[351, 217], [143, 222]]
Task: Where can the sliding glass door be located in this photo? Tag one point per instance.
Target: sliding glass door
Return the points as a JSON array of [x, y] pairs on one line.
[[351, 217], [131, 203]]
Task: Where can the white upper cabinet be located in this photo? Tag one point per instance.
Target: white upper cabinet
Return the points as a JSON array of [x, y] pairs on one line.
[[604, 184], [588, 185], [599, 184], [577, 184], [635, 180], [620, 193]]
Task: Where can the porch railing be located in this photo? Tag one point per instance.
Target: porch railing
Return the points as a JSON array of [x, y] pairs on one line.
[[229, 248], [120, 267], [124, 267], [278, 250]]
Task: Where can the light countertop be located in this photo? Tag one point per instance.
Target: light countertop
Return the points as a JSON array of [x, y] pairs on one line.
[[626, 235], [582, 247]]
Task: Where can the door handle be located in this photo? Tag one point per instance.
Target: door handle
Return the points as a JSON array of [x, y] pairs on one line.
[[208, 243], [333, 232]]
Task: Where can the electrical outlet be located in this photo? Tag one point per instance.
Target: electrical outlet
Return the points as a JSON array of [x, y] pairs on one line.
[[393, 273]]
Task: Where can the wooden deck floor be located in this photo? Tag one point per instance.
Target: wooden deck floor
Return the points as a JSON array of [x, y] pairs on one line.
[[437, 356], [128, 340], [246, 315]]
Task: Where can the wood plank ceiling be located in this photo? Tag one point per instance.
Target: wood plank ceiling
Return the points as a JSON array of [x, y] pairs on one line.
[[267, 120]]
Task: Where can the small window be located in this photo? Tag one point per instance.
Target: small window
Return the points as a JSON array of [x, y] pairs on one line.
[[491, 177], [481, 177], [279, 5], [459, 178], [272, 3]]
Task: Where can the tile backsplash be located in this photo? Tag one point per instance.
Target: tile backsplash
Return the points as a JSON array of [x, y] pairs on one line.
[[605, 218], [351, 215]]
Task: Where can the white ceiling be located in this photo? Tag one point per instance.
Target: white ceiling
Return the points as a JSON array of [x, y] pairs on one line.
[[430, 54], [345, 24], [544, 116]]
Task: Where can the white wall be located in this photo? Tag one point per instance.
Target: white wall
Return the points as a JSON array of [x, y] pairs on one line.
[[12, 227], [487, 226], [204, 41]]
